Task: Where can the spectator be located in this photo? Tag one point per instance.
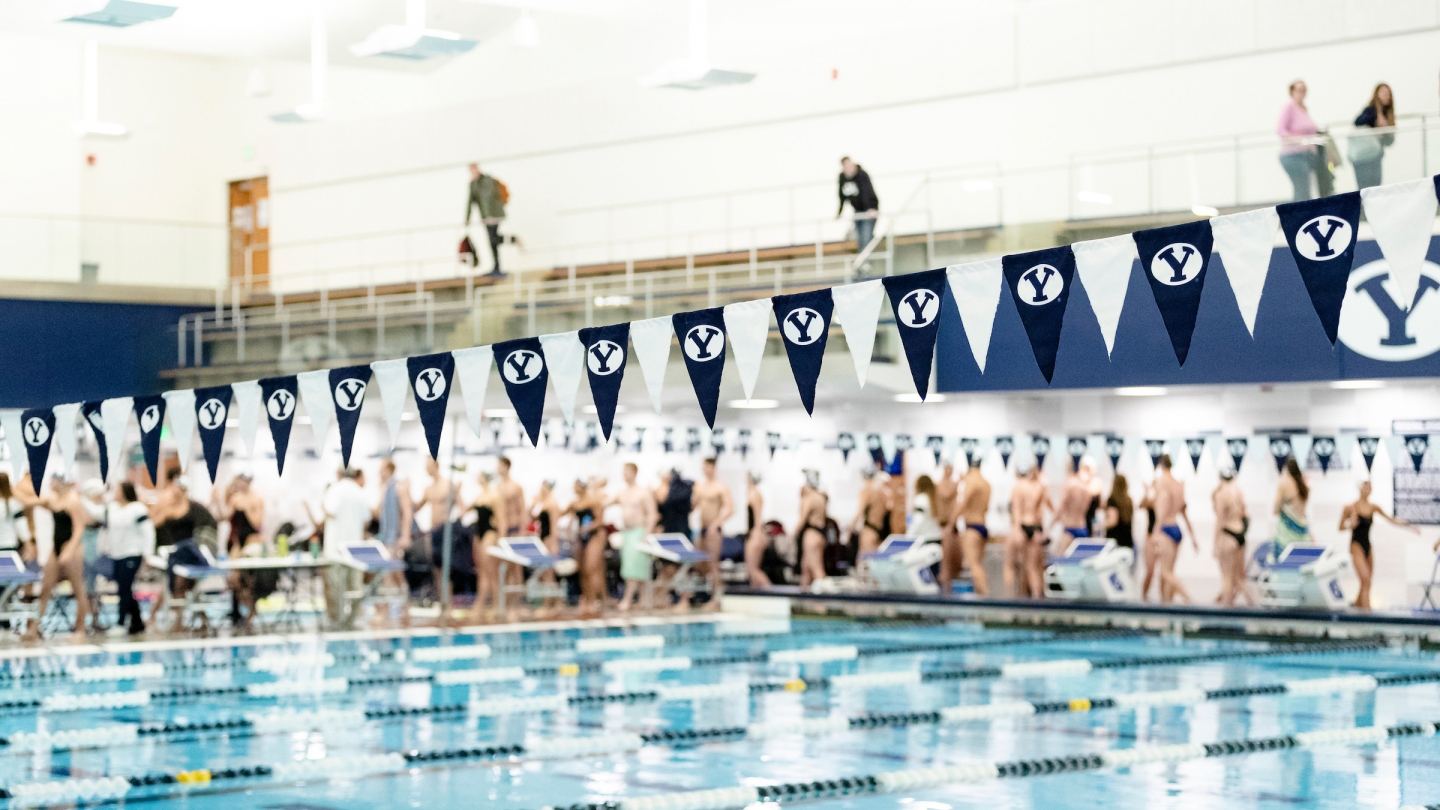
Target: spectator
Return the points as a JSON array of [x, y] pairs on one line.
[[855, 189], [129, 537], [488, 196], [347, 510], [1368, 149], [1297, 142]]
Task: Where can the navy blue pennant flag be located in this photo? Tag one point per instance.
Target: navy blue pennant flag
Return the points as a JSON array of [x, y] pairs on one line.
[[1076, 446], [640, 439], [495, 427], [1280, 450], [150, 411], [1156, 449], [592, 436], [937, 447], [278, 395], [430, 378], [1040, 446], [692, 440], [743, 440], [212, 406], [37, 426], [717, 441], [1237, 448], [903, 442], [1115, 449], [1174, 260], [347, 389], [91, 412], [606, 350], [567, 434], [1005, 446], [668, 441], [876, 449], [702, 341], [804, 320], [1196, 449], [1040, 282], [1324, 449], [969, 447], [522, 369], [846, 443], [1415, 445], [915, 300], [1369, 446], [1321, 234]]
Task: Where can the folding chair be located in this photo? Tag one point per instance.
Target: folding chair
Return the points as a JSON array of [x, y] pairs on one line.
[[14, 577], [1429, 598], [206, 606], [372, 558]]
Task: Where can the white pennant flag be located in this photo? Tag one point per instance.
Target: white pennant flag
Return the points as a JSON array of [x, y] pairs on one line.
[[115, 415], [748, 324], [1395, 449], [1104, 267], [1244, 242], [1402, 217], [65, 432], [1300, 448], [314, 387], [247, 412], [651, 339], [976, 290], [1345, 448], [14, 439], [857, 310], [565, 359], [393, 379], [180, 410], [472, 369]]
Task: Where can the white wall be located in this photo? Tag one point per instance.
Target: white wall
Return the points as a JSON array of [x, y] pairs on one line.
[[1014, 85]]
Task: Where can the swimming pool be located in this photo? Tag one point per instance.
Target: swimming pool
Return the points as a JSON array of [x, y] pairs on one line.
[[725, 712]]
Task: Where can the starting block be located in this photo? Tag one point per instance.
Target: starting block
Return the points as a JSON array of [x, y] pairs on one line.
[[535, 559], [14, 576], [902, 565], [677, 549], [1305, 576], [1092, 571]]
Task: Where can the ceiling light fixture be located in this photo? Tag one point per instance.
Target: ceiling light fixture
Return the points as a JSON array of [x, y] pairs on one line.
[[314, 110], [117, 13], [90, 125], [1357, 385], [525, 34], [693, 72], [413, 41], [915, 398], [1096, 197], [498, 413], [753, 404], [1204, 211], [1142, 391]]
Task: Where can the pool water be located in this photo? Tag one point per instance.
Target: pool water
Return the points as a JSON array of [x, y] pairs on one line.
[[382, 725]]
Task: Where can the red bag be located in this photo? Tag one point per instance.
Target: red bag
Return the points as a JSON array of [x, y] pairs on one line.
[[467, 252]]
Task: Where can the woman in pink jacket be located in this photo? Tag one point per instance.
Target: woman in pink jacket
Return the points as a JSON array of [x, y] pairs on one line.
[[1297, 141]]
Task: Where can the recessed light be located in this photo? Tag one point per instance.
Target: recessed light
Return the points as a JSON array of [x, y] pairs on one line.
[[915, 398], [498, 413], [1142, 391], [1357, 385], [593, 410], [753, 404], [1204, 211], [407, 417], [1096, 197]]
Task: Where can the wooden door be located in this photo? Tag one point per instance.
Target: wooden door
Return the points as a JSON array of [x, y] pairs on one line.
[[250, 233]]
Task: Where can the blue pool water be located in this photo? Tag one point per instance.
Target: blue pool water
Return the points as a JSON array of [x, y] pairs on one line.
[[305, 768]]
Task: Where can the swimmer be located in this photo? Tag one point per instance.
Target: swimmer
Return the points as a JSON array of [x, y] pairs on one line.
[[1357, 517], [1071, 515], [1231, 523], [872, 519], [974, 505], [512, 496], [713, 502], [755, 538], [1165, 537], [1028, 502], [810, 536]]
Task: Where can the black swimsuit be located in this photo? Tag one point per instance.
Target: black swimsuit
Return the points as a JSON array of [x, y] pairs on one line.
[[484, 520], [544, 524], [64, 528], [1360, 535]]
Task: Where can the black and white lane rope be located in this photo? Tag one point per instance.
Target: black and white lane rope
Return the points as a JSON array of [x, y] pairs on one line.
[[921, 778]]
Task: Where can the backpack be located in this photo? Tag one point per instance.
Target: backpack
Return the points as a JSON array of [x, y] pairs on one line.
[[467, 252], [503, 191]]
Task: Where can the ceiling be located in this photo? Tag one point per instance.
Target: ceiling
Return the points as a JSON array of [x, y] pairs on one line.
[[280, 29]]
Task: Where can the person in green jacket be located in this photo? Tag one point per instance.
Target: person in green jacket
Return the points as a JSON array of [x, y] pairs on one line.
[[488, 195]]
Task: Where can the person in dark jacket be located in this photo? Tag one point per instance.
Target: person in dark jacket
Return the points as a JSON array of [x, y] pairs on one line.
[[855, 189], [1367, 150], [488, 197]]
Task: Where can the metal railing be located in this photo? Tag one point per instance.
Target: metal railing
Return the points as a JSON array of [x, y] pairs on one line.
[[1200, 175]]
